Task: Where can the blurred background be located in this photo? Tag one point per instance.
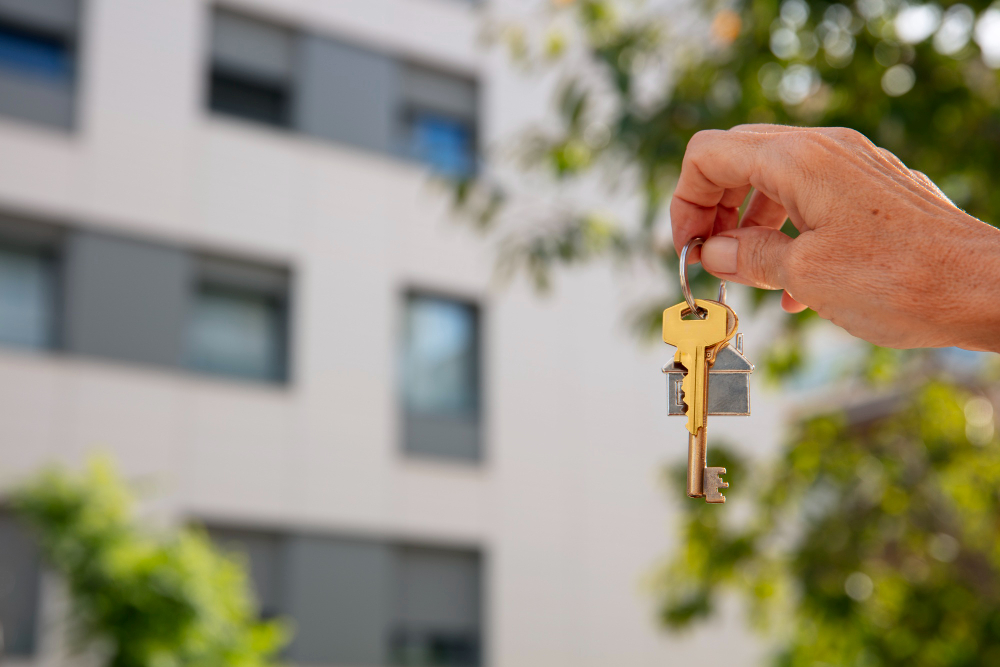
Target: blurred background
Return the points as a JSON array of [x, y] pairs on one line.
[[265, 397]]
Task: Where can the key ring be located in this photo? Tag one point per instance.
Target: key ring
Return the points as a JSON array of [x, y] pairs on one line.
[[685, 288]]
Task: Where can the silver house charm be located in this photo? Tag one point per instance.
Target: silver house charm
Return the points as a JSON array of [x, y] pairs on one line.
[[728, 383]]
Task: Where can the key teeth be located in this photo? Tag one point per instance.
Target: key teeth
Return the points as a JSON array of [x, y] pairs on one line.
[[713, 482], [687, 391]]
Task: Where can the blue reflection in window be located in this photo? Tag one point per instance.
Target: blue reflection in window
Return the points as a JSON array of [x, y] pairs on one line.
[[443, 143], [440, 357], [34, 55]]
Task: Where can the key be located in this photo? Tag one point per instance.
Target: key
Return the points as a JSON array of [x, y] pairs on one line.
[[696, 341], [693, 337]]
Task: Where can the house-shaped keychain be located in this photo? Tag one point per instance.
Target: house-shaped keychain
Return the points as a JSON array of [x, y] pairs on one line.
[[728, 383]]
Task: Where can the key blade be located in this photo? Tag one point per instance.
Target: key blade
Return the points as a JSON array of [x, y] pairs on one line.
[[694, 387], [693, 338]]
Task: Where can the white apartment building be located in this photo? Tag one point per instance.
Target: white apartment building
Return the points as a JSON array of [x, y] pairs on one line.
[[224, 260]]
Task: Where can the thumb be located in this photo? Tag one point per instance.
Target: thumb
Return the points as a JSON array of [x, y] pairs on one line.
[[753, 256]]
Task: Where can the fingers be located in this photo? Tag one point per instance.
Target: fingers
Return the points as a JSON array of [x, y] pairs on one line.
[[707, 172], [755, 256], [762, 211], [718, 167], [790, 305]]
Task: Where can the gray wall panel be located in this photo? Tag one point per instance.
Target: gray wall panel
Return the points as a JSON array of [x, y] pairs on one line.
[[347, 94], [51, 15], [339, 593], [126, 299], [39, 100], [252, 46]]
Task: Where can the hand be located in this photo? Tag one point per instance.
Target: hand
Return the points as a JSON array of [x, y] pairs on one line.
[[882, 252]]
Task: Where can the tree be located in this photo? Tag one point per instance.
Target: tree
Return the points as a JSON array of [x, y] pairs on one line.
[[873, 540], [143, 599], [637, 82]]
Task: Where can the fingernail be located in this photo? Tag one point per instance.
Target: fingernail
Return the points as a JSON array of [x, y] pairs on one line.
[[718, 255]]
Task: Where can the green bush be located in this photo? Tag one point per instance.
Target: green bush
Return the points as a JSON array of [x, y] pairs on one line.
[[142, 598]]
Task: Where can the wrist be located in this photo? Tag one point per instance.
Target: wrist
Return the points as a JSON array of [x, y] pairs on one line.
[[976, 286]]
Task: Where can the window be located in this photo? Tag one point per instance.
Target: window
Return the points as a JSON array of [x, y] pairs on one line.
[[27, 290], [34, 55], [437, 608], [366, 602], [238, 321], [28, 285], [20, 572], [444, 144], [261, 553], [441, 377], [439, 118], [38, 60], [251, 73], [112, 297], [342, 93]]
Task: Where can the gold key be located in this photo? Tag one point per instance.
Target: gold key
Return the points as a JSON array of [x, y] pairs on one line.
[[697, 341], [701, 339]]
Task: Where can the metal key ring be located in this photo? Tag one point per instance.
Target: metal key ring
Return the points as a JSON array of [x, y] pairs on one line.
[[685, 288]]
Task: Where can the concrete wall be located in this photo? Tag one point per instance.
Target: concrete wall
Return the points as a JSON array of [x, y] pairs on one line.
[[567, 505]]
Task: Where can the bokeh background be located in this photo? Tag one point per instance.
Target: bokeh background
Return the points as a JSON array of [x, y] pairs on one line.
[[326, 340]]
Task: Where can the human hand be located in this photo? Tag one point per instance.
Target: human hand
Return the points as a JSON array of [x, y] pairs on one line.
[[881, 251]]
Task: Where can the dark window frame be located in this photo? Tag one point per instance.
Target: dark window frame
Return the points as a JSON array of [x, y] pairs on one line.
[[409, 111], [223, 76], [253, 82], [478, 414], [72, 41], [278, 298], [397, 637], [402, 640], [23, 234], [404, 112]]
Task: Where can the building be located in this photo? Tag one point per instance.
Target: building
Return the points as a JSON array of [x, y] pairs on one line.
[[222, 259]]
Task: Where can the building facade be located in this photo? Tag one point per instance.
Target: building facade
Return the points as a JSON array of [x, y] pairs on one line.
[[226, 258]]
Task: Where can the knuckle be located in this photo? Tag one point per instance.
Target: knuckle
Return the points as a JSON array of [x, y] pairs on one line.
[[808, 153], [755, 260], [795, 265], [813, 146], [702, 138], [846, 135]]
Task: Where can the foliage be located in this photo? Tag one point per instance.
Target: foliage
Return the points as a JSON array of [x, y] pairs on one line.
[[873, 540], [638, 80], [147, 600]]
